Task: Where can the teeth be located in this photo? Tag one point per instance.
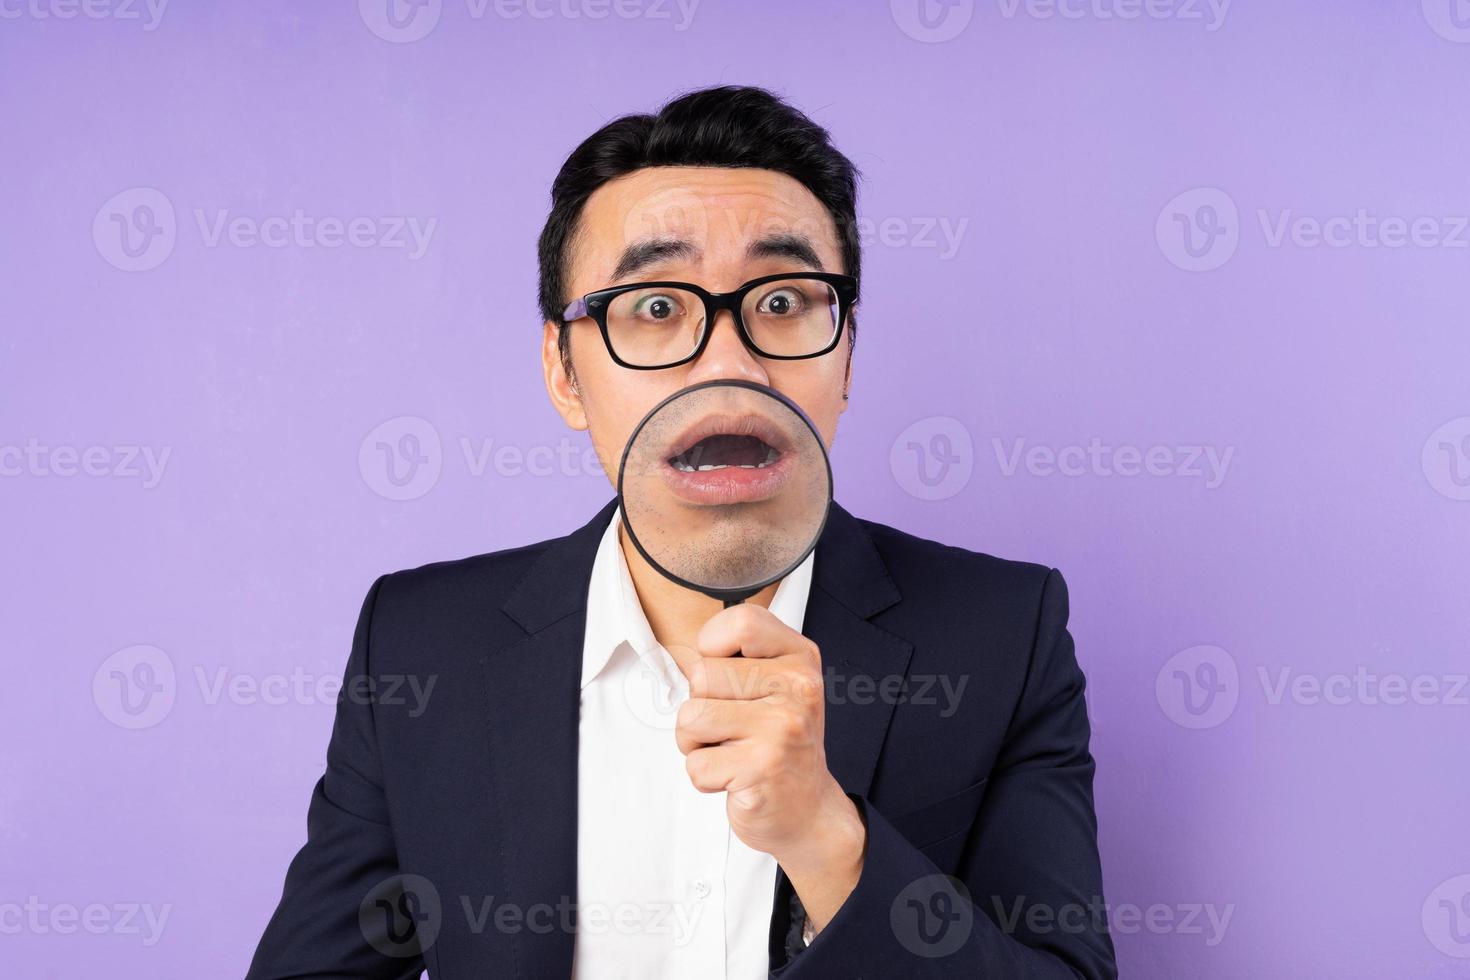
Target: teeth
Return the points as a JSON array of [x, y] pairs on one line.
[[686, 467]]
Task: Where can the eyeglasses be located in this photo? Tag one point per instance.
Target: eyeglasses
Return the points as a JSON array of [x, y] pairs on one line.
[[785, 317]]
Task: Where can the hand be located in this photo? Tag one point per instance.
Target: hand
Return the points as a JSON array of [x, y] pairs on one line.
[[753, 728]]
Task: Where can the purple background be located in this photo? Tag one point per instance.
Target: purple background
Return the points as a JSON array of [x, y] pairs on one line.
[[1067, 309]]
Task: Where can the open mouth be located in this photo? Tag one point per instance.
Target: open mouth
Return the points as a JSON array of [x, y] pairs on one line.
[[724, 459], [718, 452]]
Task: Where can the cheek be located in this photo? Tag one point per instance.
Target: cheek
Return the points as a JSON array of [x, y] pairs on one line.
[[819, 393], [615, 401]]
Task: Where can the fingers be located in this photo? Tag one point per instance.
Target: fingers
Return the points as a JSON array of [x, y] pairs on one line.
[[772, 681], [739, 769], [706, 721], [754, 632]]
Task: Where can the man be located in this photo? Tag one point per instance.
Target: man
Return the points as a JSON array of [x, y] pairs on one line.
[[876, 767]]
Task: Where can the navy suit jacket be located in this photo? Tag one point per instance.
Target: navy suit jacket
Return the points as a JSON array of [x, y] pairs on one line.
[[443, 834]]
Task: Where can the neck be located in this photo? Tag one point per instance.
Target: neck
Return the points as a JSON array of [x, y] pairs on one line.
[[674, 613]]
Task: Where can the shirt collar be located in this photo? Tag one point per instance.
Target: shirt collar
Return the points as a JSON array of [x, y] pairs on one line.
[[615, 616]]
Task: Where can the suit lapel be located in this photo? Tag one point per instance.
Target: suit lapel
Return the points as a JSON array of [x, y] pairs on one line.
[[850, 585], [532, 688]]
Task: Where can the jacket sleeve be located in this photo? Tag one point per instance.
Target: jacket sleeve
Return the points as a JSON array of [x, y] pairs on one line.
[[334, 916], [1027, 899]]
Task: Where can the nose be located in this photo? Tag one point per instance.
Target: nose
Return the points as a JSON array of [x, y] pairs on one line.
[[725, 356]]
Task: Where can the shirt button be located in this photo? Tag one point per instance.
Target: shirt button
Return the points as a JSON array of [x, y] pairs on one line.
[[701, 887]]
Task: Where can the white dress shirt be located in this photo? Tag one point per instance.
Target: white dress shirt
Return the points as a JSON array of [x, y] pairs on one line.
[[664, 887]]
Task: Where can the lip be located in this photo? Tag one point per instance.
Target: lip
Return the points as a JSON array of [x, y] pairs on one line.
[[733, 484]]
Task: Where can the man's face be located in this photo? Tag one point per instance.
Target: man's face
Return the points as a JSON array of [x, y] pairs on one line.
[[730, 226]]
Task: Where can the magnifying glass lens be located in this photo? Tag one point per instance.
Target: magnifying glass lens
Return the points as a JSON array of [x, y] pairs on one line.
[[725, 487]]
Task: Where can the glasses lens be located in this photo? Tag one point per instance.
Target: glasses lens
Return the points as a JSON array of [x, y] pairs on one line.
[[655, 325], [791, 317]]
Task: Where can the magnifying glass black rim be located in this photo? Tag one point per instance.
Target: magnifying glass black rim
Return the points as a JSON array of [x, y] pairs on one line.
[[728, 595]]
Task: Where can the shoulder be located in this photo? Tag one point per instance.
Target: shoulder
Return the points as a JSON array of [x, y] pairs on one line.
[[947, 587], [912, 559], [459, 586]]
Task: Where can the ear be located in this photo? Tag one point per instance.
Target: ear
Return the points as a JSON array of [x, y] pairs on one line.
[[559, 384]]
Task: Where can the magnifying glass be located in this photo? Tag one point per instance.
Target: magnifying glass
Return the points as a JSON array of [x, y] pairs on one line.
[[724, 488]]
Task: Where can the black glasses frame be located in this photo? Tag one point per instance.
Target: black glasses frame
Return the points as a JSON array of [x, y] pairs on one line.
[[595, 305]]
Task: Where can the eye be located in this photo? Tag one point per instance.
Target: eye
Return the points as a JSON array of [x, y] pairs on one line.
[[782, 302], [657, 306]]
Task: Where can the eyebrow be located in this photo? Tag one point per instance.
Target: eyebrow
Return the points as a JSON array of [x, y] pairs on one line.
[[641, 255]]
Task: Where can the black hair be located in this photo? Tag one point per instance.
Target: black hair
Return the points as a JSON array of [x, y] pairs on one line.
[[723, 126]]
